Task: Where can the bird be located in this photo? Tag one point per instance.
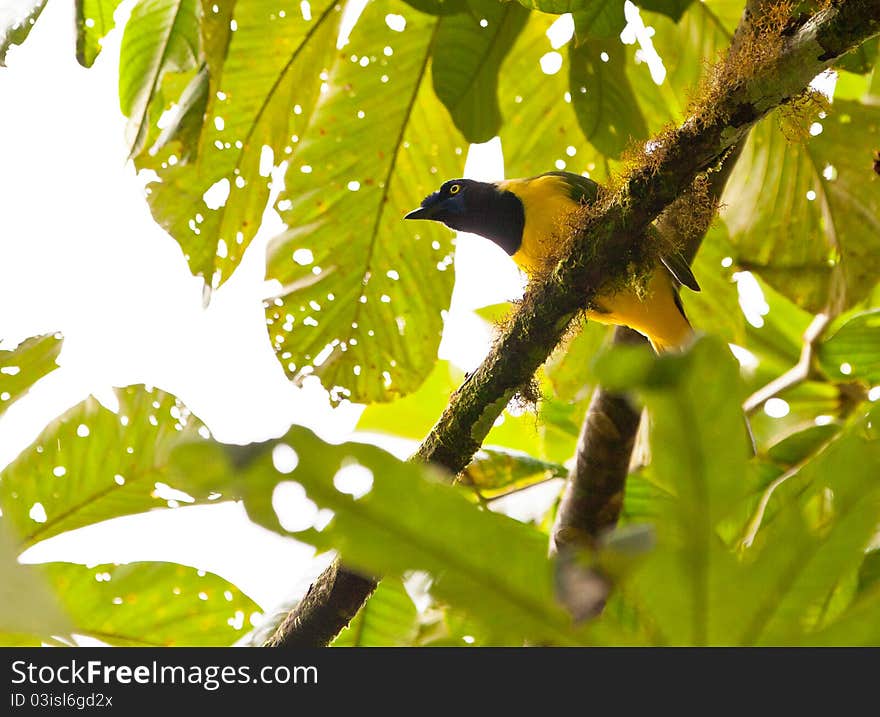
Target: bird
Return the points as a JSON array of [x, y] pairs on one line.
[[524, 217]]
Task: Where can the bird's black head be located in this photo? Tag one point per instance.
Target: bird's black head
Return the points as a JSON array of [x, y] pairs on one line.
[[477, 207], [450, 204]]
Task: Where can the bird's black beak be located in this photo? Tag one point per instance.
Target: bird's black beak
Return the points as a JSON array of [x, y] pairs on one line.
[[429, 207], [422, 212]]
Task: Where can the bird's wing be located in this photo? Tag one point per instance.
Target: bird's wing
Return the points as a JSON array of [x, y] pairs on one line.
[[580, 188], [680, 269]]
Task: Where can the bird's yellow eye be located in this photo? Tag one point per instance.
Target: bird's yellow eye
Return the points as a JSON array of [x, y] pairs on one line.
[[455, 189]]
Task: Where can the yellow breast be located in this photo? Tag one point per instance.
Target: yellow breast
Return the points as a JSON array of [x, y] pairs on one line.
[[547, 206]]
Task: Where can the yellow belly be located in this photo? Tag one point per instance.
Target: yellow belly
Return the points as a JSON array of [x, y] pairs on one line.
[[655, 315]]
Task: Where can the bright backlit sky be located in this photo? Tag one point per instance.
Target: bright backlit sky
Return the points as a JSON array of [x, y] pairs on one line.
[[82, 255]]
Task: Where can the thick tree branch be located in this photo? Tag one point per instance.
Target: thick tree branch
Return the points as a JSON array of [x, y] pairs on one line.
[[609, 239], [330, 604]]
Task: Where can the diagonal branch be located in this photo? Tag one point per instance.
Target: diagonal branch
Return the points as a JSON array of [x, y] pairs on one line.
[[610, 237]]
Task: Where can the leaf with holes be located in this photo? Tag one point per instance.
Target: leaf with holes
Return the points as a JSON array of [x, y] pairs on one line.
[[150, 604], [22, 367], [94, 19], [821, 191], [603, 99], [262, 83], [92, 464], [362, 290], [468, 54], [161, 36], [19, 26], [540, 130], [687, 46], [390, 517], [388, 619]]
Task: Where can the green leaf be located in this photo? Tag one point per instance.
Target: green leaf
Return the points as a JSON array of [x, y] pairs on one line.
[[439, 7], [185, 127], [467, 57], [363, 290], [94, 19], [672, 8], [19, 27], [715, 309], [855, 345], [161, 36], [602, 97], [92, 464], [699, 456], [22, 367], [265, 79], [569, 367], [600, 19], [860, 60], [686, 46], [495, 472], [803, 215], [388, 619], [491, 566], [151, 604], [829, 513], [28, 607], [540, 129]]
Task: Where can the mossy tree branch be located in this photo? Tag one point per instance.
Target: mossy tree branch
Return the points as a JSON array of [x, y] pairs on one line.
[[609, 239]]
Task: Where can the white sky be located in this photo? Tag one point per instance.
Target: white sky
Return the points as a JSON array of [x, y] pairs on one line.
[[82, 255]]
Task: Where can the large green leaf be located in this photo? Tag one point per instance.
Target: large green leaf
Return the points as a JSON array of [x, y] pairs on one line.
[[467, 56], [263, 81], [686, 48], [852, 351], [673, 8], [802, 214], [94, 19], [19, 26], [699, 456], [599, 19], [540, 130], [603, 99], [391, 517], [388, 619], [363, 290], [92, 464], [151, 604], [22, 367], [161, 36], [830, 511]]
